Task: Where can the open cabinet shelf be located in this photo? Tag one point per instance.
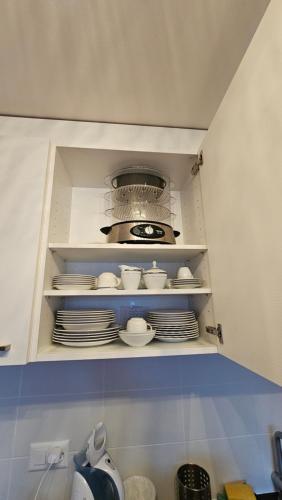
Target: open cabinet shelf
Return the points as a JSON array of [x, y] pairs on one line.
[[129, 293], [119, 350], [108, 252]]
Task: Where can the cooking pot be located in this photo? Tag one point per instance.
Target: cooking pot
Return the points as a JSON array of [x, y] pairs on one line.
[[141, 175]]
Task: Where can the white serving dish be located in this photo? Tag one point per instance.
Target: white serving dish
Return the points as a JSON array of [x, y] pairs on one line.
[[86, 326]]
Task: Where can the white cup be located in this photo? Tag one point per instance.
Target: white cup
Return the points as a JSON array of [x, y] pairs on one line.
[[138, 325], [131, 279], [108, 280], [184, 273]]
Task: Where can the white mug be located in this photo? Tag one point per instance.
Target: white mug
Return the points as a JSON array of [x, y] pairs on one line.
[[108, 280], [184, 273], [138, 325], [131, 279]]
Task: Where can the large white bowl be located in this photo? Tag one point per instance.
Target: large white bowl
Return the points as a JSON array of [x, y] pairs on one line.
[[137, 339]]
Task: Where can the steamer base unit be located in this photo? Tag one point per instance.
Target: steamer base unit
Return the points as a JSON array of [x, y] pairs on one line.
[[142, 232]]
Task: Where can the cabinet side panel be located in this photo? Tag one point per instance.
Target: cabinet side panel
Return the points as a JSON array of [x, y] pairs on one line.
[[242, 186], [192, 211], [60, 204], [23, 164]]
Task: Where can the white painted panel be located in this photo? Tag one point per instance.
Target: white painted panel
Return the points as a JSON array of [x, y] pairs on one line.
[[106, 135], [23, 164], [242, 186]]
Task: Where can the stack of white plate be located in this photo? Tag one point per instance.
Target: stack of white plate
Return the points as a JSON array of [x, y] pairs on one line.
[[74, 282], [186, 283], [174, 325], [85, 328]]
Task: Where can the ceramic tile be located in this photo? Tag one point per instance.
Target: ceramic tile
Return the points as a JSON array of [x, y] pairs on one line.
[[62, 378], [4, 478], [159, 463], [10, 381], [57, 485], [234, 459], [213, 369], [230, 410], [142, 373], [143, 417], [55, 418], [8, 414]]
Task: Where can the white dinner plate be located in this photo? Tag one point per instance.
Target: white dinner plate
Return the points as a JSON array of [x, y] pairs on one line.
[[172, 340], [171, 319], [184, 287], [175, 315], [88, 327], [85, 320], [73, 287], [108, 329], [84, 337], [175, 334], [171, 311], [83, 344], [104, 331], [68, 282], [177, 324], [86, 315], [100, 317], [94, 327], [83, 311], [73, 280]]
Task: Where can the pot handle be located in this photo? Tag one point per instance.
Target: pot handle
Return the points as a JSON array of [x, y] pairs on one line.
[[176, 233], [106, 229]]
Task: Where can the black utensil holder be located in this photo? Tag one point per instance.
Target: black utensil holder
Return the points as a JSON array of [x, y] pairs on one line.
[[192, 483]]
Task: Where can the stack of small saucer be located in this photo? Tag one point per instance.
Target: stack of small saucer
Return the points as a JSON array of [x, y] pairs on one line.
[[175, 325], [74, 282], [186, 283]]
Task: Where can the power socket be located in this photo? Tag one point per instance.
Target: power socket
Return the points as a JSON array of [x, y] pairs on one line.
[[38, 455]]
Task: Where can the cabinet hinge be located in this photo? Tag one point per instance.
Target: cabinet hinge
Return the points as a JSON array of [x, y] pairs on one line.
[[196, 167], [216, 330]]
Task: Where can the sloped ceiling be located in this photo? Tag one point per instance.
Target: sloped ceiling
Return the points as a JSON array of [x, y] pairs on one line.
[[156, 62]]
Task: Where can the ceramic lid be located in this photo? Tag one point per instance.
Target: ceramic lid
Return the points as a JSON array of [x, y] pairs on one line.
[[155, 269], [124, 267]]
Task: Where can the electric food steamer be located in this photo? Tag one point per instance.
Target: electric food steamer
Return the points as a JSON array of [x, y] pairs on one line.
[[140, 207]]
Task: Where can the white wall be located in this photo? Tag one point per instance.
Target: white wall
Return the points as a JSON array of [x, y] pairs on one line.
[[159, 414]]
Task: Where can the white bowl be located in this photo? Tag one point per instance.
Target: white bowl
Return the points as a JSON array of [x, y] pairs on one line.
[[137, 339]]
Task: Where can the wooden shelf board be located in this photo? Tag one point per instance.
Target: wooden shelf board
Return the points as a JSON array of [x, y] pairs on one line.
[[57, 352], [113, 293], [109, 252]]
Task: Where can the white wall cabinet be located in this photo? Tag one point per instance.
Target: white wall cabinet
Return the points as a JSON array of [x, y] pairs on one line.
[[227, 238], [23, 165]]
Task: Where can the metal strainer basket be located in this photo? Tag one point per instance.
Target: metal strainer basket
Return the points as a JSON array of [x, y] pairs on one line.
[[192, 483]]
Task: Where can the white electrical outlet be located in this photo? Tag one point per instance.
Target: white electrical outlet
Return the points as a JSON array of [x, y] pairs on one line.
[[38, 454]]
